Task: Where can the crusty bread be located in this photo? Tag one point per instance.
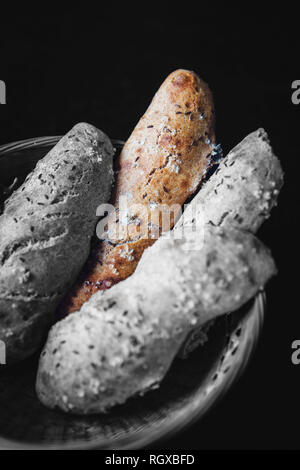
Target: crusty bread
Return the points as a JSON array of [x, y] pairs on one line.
[[123, 340], [161, 165], [242, 191], [45, 233]]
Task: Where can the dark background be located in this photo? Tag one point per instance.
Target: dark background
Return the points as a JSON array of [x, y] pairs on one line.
[[103, 66]]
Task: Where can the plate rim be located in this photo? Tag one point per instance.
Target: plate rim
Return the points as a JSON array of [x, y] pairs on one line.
[[35, 142]]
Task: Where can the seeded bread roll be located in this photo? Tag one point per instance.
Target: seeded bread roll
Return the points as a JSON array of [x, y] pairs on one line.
[[161, 165], [242, 191], [123, 340], [45, 233]]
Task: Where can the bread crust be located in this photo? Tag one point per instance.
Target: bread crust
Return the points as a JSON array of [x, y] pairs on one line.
[[123, 340], [161, 165], [45, 234], [242, 191]]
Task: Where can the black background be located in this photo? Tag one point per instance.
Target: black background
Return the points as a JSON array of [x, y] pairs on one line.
[[103, 66]]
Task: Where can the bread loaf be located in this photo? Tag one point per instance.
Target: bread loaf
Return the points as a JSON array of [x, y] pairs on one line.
[[45, 233], [123, 340], [161, 165]]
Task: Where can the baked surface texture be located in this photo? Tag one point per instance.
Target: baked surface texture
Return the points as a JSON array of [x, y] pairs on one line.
[[45, 233], [242, 191], [123, 340], [161, 165]]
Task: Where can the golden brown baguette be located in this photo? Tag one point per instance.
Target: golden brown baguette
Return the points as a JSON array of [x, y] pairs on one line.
[[161, 165]]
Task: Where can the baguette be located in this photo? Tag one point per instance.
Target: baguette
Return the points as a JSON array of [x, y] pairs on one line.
[[161, 165], [123, 341], [45, 233]]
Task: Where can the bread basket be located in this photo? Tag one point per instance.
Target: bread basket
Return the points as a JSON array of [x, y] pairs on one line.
[[190, 388]]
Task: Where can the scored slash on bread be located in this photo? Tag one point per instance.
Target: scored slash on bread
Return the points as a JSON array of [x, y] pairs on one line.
[[161, 165]]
